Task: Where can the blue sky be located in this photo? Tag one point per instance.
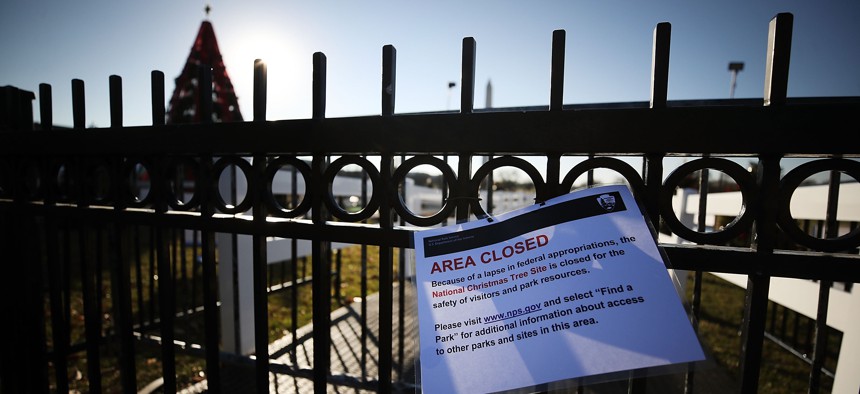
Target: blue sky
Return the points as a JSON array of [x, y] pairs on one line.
[[608, 50]]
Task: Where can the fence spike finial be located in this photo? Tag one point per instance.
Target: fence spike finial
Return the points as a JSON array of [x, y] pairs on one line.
[[556, 89], [389, 79], [260, 89], [467, 85], [778, 55], [660, 65], [115, 84], [319, 86]]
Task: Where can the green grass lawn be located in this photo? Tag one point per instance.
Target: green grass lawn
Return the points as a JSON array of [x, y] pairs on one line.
[[719, 330], [190, 369], [719, 324]]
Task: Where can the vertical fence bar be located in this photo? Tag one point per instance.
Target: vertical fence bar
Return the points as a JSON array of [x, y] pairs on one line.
[[652, 170], [695, 307], [36, 352], [386, 294], [821, 329], [261, 309], [10, 370], [150, 273], [121, 270], [195, 244], [401, 290], [183, 271], [758, 284], [321, 286], [207, 243], [59, 326], [92, 317], [401, 298], [166, 283], [338, 268], [556, 101], [294, 267], [467, 104], [166, 297], [260, 264], [695, 311], [66, 268], [172, 235], [489, 184], [210, 283], [363, 285], [653, 164], [696, 302], [98, 230], [386, 221]]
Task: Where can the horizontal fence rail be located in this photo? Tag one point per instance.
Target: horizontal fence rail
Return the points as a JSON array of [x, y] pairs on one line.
[[75, 223]]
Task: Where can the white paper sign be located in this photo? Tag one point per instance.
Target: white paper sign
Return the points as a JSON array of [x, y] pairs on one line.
[[571, 288]]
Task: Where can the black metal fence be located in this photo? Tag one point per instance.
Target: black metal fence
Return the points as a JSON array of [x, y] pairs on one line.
[[75, 229]]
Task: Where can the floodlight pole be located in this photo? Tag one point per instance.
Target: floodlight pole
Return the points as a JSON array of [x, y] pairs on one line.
[[735, 68]]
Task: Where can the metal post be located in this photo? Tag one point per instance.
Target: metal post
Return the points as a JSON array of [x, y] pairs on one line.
[[386, 221], [260, 263], [321, 286]]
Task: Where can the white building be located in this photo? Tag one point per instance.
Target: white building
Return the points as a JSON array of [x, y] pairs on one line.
[[808, 203]]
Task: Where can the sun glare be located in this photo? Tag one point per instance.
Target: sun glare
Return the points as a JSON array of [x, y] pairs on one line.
[[284, 71]]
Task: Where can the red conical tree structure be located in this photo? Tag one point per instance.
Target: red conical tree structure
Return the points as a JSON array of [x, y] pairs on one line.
[[183, 107]]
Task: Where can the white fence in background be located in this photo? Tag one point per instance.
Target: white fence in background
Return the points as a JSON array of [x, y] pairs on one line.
[[797, 294]]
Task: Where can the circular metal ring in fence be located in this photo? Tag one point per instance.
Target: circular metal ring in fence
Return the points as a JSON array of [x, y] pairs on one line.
[[177, 171], [247, 172], [32, 184], [505, 161], [399, 177], [100, 183], [137, 183], [619, 166], [790, 183], [334, 208], [275, 166], [62, 181], [742, 222]]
